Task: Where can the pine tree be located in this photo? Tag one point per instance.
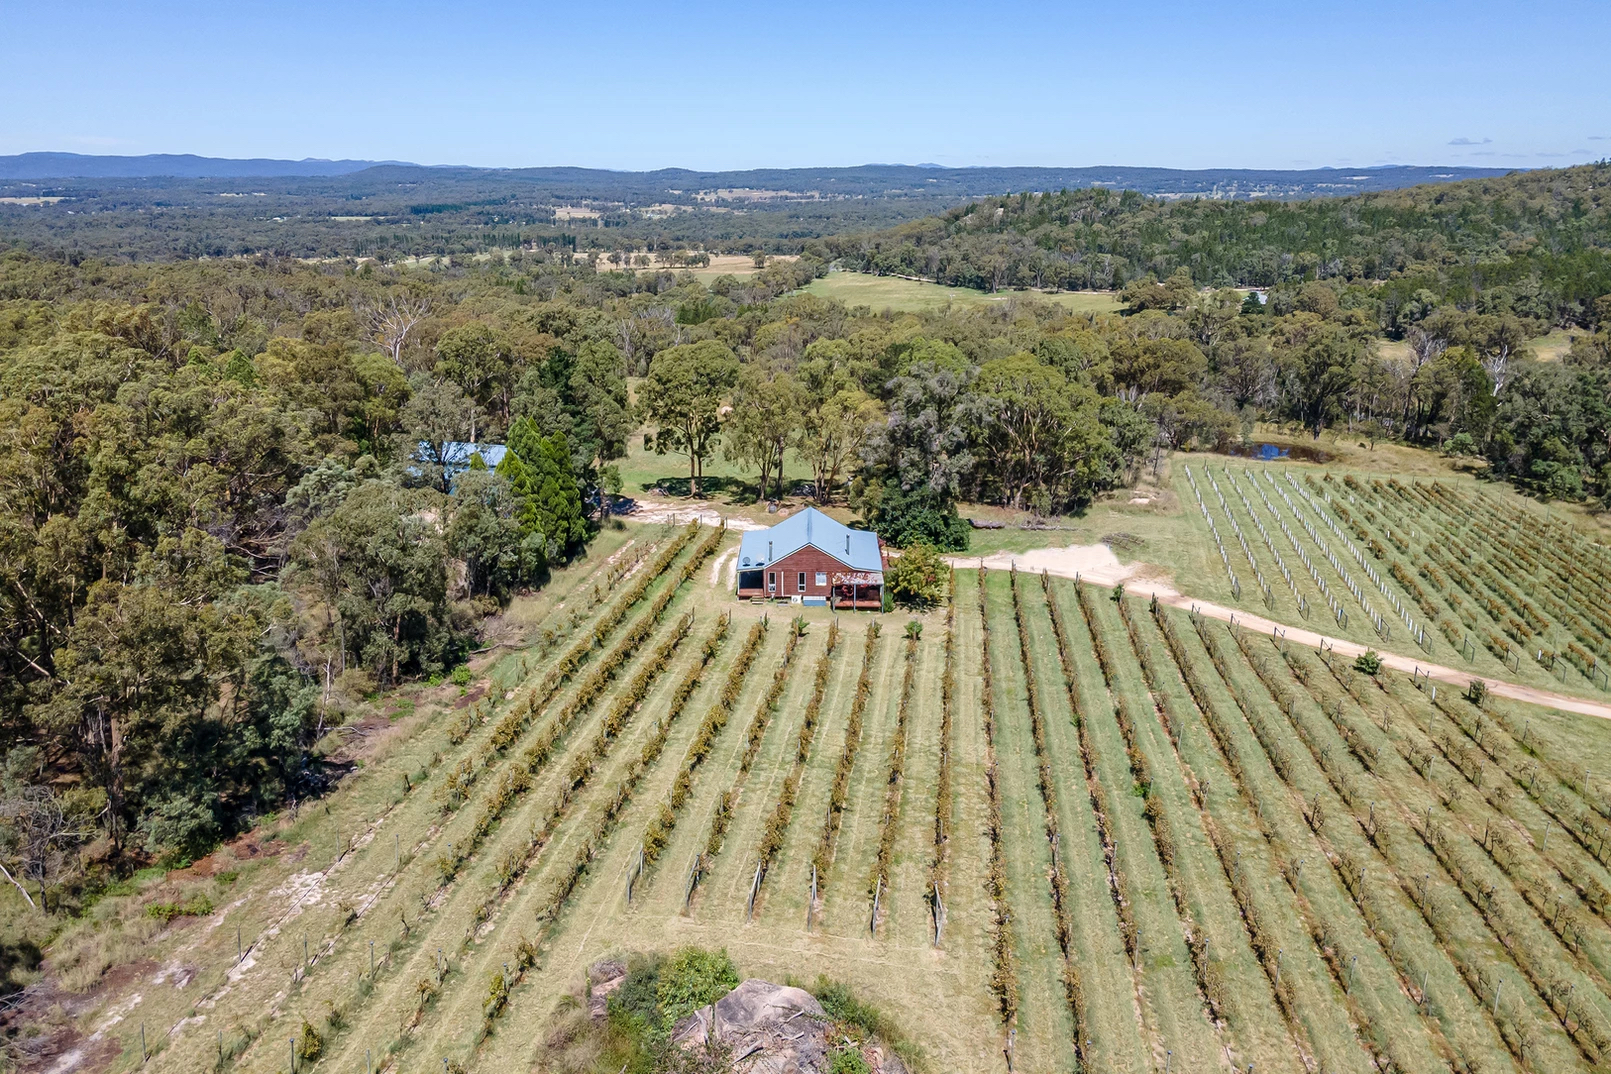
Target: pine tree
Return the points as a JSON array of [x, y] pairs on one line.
[[538, 469]]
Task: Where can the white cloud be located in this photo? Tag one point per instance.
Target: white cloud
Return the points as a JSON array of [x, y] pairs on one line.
[[1469, 141]]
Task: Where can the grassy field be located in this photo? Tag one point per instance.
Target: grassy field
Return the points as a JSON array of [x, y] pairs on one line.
[[1554, 346], [910, 296], [1550, 347], [1258, 858]]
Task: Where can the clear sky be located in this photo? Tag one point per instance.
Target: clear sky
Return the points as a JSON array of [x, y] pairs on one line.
[[629, 85]]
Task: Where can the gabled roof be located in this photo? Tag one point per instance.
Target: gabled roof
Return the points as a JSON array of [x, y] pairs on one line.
[[856, 549]]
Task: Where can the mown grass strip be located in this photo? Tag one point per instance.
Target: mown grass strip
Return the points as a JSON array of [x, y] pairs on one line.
[[1093, 786], [1073, 987], [722, 816], [658, 832], [879, 880], [777, 824], [1210, 975], [944, 806], [822, 858]]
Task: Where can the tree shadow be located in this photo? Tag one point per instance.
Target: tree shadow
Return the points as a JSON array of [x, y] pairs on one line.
[[733, 490]]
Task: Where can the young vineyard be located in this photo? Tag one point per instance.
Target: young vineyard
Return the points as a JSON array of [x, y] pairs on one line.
[[1467, 578], [1045, 827]]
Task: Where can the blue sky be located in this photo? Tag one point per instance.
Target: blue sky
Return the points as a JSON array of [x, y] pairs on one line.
[[726, 85]]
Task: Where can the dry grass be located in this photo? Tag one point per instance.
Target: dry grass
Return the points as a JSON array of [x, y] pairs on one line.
[[911, 296]]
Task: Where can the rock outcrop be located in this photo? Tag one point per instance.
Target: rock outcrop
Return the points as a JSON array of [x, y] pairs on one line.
[[767, 1028], [774, 1029]]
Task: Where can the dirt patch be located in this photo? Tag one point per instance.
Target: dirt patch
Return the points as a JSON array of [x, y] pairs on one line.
[[245, 848], [1090, 562], [659, 511], [42, 1032], [61, 1049], [471, 696]]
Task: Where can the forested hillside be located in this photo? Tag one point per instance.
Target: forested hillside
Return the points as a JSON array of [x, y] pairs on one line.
[[1534, 243]]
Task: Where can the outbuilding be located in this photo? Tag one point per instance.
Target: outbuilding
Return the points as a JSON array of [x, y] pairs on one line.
[[812, 559]]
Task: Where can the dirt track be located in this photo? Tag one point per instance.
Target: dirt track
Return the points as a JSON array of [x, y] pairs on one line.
[[1098, 564]]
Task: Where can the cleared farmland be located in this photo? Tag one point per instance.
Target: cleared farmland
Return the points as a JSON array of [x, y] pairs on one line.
[[1040, 825]]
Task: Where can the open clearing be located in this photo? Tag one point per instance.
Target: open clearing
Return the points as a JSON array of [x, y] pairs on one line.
[[911, 296]]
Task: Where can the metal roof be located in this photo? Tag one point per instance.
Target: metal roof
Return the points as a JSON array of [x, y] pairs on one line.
[[456, 453], [856, 549]]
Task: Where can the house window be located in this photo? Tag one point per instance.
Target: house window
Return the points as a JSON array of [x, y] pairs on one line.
[[802, 581], [822, 578], [771, 581]]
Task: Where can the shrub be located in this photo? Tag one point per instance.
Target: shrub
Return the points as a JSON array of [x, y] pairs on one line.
[[907, 518], [461, 675], [198, 905], [848, 1060], [309, 1044], [636, 1003], [1369, 661], [918, 578], [914, 629], [840, 1004], [690, 979]]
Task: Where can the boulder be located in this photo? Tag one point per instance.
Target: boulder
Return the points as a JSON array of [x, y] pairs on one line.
[[767, 1028], [603, 978], [774, 1029]]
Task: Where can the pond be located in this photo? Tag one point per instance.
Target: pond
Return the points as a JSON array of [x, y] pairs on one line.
[[1277, 452]]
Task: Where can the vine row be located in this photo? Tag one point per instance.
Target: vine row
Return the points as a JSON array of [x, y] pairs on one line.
[[822, 858], [1004, 976]]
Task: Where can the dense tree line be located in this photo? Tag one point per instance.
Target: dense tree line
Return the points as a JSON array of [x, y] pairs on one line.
[[223, 523], [1536, 244]]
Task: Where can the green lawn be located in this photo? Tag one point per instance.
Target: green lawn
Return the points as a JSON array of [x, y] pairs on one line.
[[910, 296]]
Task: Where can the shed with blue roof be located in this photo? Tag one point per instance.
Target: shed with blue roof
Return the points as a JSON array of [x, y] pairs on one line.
[[814, 558]]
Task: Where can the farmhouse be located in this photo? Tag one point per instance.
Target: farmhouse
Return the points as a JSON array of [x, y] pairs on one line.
[[815, 560]]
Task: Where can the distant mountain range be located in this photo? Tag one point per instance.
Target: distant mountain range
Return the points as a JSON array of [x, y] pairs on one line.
[[169, 165], [870, 180]]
